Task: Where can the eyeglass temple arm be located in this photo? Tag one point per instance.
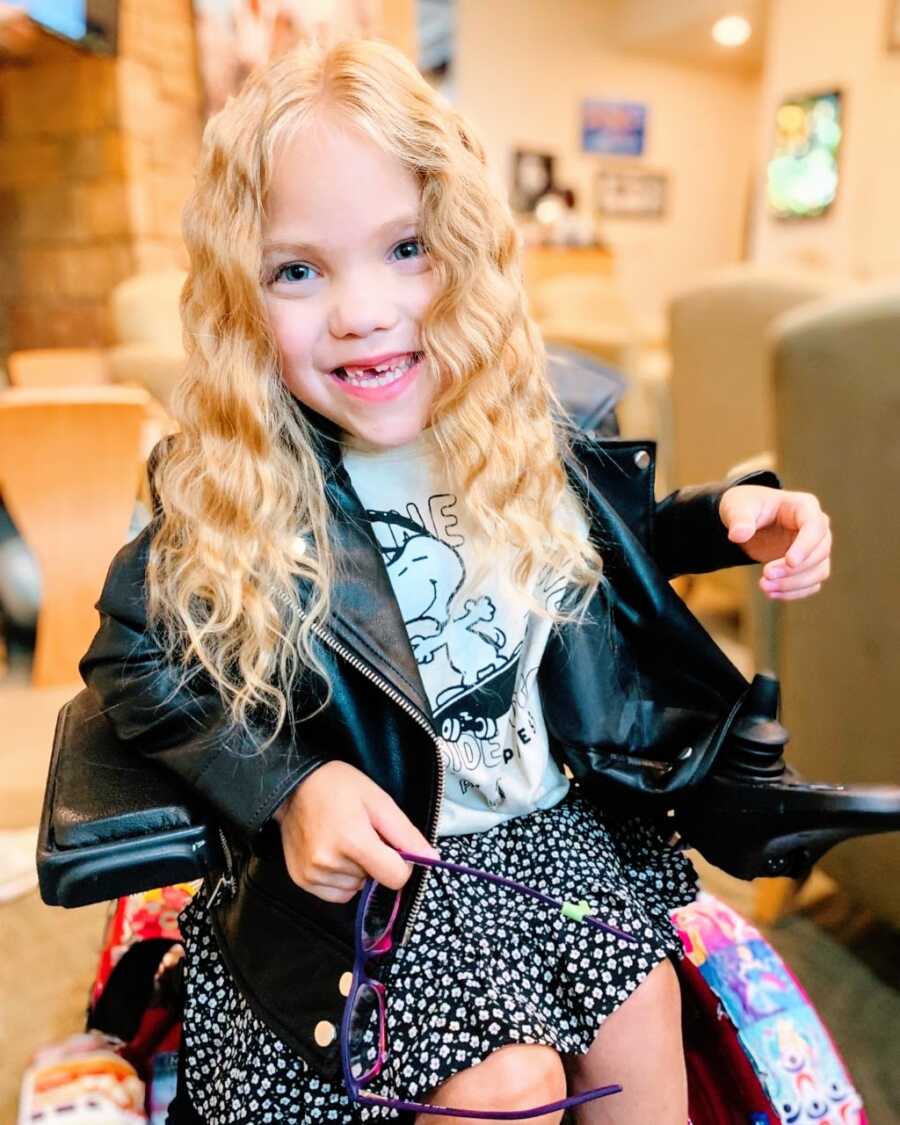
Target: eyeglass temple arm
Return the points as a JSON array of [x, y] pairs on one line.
[[576, 911], [491, 1114]]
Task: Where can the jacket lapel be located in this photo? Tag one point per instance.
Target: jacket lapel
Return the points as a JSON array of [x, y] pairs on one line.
[[365, 615]]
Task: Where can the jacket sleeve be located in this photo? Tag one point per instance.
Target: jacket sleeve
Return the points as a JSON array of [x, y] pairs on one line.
[[184, 727], [688, 535]]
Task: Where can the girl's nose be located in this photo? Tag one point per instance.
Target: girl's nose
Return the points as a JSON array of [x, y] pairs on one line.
[[361, 305]]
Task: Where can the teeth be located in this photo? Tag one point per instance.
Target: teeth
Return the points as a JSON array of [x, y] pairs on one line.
[[386, 373]]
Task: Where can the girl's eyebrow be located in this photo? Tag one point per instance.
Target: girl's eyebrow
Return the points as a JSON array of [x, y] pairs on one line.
[[294, 247]]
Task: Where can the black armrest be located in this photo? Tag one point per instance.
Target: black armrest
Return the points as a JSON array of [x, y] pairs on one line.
[[755, 816], [113, 822]]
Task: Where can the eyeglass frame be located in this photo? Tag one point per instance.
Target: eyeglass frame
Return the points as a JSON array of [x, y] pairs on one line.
[[574, 911]]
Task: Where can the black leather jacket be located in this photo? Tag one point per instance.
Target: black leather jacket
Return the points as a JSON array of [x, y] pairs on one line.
[[637, 701]]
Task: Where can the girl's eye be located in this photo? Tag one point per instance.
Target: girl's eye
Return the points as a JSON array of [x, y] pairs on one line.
[[402, 248], [292, 271]]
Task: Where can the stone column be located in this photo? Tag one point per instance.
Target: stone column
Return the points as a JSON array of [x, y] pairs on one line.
[[95, 163]]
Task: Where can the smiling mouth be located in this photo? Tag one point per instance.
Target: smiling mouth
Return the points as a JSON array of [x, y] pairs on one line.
[[381, 376]]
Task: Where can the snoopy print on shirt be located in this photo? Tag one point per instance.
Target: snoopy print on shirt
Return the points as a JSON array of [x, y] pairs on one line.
[[477, 653]]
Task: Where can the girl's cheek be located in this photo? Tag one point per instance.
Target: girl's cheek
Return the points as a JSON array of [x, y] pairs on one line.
[[293, 335], [428, 290]]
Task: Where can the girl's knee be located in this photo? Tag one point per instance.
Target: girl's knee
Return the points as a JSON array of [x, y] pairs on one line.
[[530, 1074], [515, 1077]]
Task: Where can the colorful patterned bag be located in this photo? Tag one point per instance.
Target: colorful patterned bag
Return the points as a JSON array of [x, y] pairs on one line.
[[756, 1050]]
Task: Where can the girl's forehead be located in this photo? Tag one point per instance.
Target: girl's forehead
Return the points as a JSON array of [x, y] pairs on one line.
[[336, 175], [321, 134]]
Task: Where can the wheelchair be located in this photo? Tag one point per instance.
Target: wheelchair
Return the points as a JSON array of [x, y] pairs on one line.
[[116, 827]]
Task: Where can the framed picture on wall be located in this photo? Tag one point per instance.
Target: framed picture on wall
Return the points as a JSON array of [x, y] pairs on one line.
[[802, 176], [613, 128], [630, 193], [234, 37], [532, 177]]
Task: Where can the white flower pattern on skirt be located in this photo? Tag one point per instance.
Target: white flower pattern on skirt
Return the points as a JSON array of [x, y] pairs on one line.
[[484, 966]]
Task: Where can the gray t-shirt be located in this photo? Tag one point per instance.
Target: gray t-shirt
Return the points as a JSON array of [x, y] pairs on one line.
[[478, 656]]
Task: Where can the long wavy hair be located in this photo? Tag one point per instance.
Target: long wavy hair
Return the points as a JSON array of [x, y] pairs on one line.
[[241, 562]]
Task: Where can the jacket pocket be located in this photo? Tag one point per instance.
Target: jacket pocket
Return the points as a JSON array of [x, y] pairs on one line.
[[268, 874], [290, 969], [299, 906]]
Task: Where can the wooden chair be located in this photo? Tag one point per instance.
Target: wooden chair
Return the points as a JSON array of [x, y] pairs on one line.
[[70, 468], [58, 367]]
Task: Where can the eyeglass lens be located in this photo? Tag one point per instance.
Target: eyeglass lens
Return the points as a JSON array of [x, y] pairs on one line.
[[367, 1032], [380, 913]]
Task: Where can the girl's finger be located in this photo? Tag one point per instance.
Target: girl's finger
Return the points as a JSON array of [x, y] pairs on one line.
[[809, 576], [821, 551], [339, 872], [332, 894], [815, 571], [346, 882], [778, 568], [794, 595], [813, 524]]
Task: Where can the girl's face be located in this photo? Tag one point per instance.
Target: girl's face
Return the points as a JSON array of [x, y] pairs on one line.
[[347, 283]]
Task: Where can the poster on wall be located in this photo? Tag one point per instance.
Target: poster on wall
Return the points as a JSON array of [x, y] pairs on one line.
[[802, 176], [234, 37], [613, 128]]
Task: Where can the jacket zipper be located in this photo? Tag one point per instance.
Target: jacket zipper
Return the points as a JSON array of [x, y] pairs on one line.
[[423, 722], [402, 702], [226, 879]]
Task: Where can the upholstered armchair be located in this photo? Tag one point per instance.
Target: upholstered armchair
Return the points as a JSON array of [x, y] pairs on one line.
[[721, 385], [147, 326], [836, 367]]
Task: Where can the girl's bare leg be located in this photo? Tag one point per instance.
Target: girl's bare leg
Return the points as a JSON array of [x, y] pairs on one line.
[[517, 1076], [640, 1047]]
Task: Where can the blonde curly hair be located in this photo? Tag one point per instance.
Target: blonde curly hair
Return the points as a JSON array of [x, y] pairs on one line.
[[228, 590]]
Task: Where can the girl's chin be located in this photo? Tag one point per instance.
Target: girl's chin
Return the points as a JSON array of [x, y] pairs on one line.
[[384, 435]]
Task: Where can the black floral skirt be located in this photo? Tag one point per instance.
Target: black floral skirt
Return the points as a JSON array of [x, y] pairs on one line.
[[484, 966]]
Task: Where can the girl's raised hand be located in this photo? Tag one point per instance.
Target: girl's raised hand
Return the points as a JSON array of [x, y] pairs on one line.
[[788, 531], [338, 827]]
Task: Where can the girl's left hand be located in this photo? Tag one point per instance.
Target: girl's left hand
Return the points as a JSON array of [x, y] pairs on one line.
[[788, 531]]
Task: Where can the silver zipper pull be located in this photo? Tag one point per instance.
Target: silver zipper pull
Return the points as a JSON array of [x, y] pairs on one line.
[[225, 880]]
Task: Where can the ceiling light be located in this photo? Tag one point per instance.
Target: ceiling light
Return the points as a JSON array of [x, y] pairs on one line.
[[731, 31]]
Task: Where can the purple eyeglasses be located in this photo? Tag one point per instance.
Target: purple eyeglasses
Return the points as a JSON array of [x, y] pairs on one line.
[[363, 1029]]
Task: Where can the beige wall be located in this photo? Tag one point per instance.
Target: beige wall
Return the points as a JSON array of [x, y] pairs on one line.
[[825, 44], [521, 72]]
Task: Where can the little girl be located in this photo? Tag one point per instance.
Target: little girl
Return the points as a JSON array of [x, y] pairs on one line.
[[390, 602]]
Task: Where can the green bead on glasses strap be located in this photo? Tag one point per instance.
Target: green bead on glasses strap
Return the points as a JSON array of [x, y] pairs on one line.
[[577, 911]]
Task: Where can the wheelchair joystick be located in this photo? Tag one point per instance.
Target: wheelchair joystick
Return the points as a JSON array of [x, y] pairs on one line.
[[753, 815], [757, 740]]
